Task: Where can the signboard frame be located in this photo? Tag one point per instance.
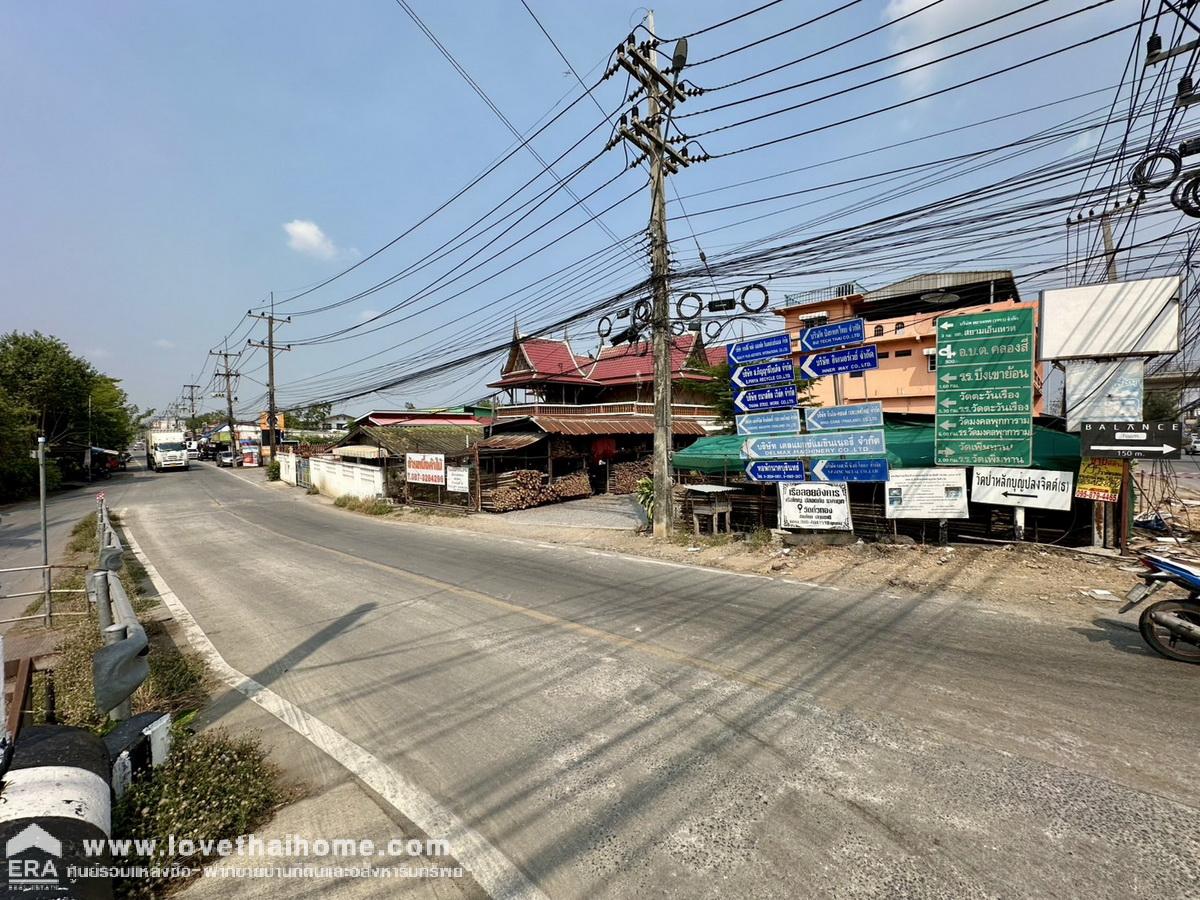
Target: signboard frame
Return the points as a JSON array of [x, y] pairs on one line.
[[933, 492], [1131, 440], [1027, 488], [815, 505], [425, 468]]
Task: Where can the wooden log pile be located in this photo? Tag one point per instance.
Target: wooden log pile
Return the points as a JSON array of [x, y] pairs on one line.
[[515, 490], [571, 487], [624, 476]]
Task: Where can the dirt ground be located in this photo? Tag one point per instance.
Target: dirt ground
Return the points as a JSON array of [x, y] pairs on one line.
[[1029, 575]]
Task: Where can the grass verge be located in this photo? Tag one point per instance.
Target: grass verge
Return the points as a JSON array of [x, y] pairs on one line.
[[213, 785]]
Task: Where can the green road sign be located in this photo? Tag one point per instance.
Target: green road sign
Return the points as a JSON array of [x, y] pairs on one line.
[[984, 395]]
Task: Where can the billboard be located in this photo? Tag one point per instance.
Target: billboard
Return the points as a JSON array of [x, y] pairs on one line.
[[1119, 318], [425, 468]]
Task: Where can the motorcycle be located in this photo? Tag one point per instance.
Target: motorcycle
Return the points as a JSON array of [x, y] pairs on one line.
[[1170, 627]]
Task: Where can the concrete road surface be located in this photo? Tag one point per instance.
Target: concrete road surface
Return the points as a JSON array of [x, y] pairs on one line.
[[615, 727]]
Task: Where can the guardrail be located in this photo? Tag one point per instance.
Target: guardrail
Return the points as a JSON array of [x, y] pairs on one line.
[[120, 666]]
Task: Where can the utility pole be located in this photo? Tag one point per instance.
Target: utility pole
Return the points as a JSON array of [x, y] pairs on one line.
[[229, 375], [270, 347], [650, 137], [191, 389]]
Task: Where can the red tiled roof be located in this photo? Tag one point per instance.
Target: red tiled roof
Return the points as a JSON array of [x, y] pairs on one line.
[[553, 361]]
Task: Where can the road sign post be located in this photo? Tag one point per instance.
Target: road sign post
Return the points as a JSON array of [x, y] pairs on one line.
[[759, 374], [775, 470], [780, 421], [759, 399], [832, 443], [1131, 440], [772, 346], [984, 395], [835, 334], [836, 362]]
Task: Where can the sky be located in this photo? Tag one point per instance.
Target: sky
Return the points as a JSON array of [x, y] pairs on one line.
[[168, 166]]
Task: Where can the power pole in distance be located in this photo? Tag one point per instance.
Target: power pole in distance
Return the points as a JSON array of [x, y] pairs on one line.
[[649, 137], [191, 389], [228, 375], [270, 347]]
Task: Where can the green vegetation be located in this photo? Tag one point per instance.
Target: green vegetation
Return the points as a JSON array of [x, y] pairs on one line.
[[212, 787], [45, 389], [273, 470], [645, 497], [719, 392], [311, 418], [370, 507], [1161, 406]]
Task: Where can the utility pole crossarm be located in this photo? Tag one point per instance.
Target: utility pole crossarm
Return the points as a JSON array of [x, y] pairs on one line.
[[271, 348]]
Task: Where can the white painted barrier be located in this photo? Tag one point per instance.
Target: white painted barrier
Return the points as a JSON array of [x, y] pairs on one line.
[[287, 468], [335, 478]]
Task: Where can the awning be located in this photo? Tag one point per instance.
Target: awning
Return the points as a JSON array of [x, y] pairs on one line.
[[360, 451], [502, 442], [606, 425], [909, 445]]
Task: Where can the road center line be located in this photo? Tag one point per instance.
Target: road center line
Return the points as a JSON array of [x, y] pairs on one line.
[[492, 870]]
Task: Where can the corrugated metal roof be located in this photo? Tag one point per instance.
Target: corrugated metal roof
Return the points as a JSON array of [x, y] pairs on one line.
[[605, 425], [498, 443], [936, 281], [360, 451], [450, 440]]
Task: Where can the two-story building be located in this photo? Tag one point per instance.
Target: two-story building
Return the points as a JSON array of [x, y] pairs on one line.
[[562, 413], [901, 321]]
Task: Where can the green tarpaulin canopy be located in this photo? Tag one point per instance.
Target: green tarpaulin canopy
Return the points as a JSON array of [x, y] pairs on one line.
[[909, 446]]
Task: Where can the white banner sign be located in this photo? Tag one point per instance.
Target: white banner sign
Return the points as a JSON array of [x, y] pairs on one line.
[[1104, 391], [458, 479], [939, 493], [425, 468], [1022, 487], [824, 506]]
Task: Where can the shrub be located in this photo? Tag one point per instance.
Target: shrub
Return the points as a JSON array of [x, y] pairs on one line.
[[273, 470], [212, 786]]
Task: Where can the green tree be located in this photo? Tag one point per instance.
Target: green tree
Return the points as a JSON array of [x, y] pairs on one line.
[[720, 393], [312, 418], [1161, 406], [43, 377]]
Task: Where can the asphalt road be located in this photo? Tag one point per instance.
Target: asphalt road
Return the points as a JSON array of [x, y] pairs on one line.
[[621, 727], [21, 535]]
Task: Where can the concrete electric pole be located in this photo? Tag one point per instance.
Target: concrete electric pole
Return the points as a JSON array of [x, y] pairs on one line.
[[229, 375], [191, 389], [649, 136], [269, 346]]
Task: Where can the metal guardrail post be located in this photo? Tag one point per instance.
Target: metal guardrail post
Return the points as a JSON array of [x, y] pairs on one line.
[[114, 634], [99, 586]]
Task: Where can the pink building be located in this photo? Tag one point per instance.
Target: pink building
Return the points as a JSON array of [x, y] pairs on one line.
[[901, 321]]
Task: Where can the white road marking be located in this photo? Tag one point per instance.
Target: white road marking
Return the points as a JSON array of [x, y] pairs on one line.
[[492, 870]]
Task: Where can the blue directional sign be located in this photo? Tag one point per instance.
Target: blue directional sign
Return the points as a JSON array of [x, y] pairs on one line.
[[781, 421], [756, 374], [835, 334], [850, 469], [776, 470], [780, 397], [854, 415], [772, 346], [823, 443], [856, 359]]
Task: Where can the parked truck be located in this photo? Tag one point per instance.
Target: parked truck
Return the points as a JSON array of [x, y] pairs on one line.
[[165, 450]]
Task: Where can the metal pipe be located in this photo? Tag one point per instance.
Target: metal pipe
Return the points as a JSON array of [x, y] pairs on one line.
[[114, 634]]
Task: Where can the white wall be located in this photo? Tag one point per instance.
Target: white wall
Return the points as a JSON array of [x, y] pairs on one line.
[[287, 468], [335, 478]]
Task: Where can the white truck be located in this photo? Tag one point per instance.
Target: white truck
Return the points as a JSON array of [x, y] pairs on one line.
[[165, 450]]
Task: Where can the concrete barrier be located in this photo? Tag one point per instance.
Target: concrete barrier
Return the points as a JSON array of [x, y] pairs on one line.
[[55, 797]]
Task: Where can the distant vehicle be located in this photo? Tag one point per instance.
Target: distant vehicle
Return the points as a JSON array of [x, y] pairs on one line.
[[165, 450], [225, 458], [140, 445], [193, 449], [1194, 447]]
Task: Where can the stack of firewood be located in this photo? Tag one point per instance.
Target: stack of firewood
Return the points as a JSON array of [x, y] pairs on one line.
[[517, 490], [560, 448], [571, 487], [624, 476]]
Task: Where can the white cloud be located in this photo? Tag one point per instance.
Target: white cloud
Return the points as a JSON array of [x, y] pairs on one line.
[[367, 314], [943, 19], [97, 353], [164, 344], [1086, 141], [305, 236]]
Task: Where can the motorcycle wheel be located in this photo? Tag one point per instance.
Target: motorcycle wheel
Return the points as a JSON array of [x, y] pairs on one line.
[[1163, 641]]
